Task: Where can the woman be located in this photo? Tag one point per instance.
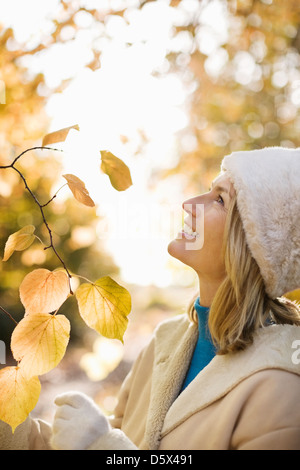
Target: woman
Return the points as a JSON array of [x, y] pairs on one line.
[[225, 376]]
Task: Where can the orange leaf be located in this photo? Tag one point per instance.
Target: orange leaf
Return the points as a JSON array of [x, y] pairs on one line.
[[58, 136], [79, 190], [19, 395], [43, 291]]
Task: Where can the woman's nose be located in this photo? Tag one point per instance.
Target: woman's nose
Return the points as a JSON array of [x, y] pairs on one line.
[[190, 205]]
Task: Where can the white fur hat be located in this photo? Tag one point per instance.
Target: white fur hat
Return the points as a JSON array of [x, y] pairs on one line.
[[267, 183]]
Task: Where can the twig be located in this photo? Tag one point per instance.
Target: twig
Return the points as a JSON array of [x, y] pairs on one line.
[[44, 205], [28, 150], [8, 314], [84, 278]]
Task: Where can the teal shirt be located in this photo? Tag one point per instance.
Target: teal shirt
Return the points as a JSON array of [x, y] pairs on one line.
[[204, 349]]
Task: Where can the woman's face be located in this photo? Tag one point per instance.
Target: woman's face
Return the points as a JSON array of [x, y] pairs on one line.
[[199, 244]]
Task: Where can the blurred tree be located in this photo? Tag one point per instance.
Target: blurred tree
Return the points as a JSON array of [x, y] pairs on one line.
[[242, 66], [23, 119]]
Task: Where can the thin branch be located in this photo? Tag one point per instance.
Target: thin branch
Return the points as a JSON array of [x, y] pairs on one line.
[[84, 278], [8, 314], [28, 150], [46, 224], [44, 205], [38, 238]]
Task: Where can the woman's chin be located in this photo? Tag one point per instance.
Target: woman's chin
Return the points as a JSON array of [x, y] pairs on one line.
[[179, 248], [176, 249], [171, 248]]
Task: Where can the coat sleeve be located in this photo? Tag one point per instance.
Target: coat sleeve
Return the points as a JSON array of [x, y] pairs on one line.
[[117, 418], [116, 439], [32, 434], [280, 439]]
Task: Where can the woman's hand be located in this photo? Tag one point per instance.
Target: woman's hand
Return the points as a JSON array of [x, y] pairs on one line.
[[78, 422]]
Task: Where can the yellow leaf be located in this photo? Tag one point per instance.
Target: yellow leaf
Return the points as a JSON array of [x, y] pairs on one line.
[[293, 295], [43, 291], [39, 341], [58, 136], [104, 306], [79, 190], [117, 170], [19, 395], [19, 241]]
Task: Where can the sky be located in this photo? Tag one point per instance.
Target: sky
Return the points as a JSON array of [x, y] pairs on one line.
[[122, 98]]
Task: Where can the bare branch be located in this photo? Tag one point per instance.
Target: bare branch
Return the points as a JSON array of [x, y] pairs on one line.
[[8, 314], [28, 150]]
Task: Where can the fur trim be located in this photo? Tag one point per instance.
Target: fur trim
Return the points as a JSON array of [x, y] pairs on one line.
[[267, 182]]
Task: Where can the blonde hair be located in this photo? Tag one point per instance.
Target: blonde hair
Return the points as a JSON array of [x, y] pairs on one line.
[[241, 304]]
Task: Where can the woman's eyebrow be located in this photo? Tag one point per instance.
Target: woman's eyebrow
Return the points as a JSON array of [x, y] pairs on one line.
[[218, 188]]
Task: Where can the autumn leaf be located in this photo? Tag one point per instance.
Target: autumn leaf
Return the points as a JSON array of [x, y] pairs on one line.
[[19, 241], [58, 136], [104, 306], [19, 395], [117, 170], [43, 291], [79, 190], [39, 341], [293, 295]]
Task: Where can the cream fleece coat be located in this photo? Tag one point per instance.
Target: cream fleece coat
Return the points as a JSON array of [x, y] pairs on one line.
[[244, 400]]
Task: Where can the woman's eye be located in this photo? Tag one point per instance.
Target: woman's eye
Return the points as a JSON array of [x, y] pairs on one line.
[[220, 199]]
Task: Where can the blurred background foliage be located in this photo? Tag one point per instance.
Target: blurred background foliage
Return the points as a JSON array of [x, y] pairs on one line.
[[242, 82], [242, 91], [245, 91]]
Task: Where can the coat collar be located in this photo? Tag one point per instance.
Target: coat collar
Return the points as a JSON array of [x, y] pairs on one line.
[[175, 342]]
